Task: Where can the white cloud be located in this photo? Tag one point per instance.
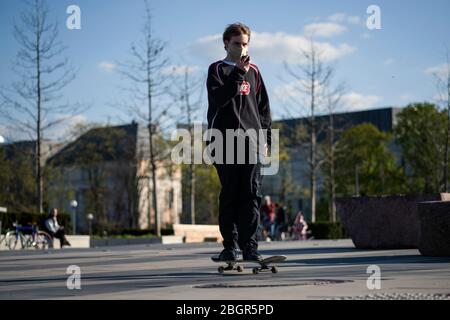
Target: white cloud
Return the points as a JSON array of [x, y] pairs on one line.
[[343, 17], [107, 66], [441, 70], [273, 47], [11, 133], [350, 101], [356, 101], [290, 90], [354, 20], [179, 69], [209, 47], [60, 131], [57, 132], [324, 29]]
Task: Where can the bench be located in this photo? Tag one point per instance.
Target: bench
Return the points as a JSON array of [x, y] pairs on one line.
[[198, 233]]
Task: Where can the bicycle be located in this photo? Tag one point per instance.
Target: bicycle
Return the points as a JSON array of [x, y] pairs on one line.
[[1, 236], [29, 237]]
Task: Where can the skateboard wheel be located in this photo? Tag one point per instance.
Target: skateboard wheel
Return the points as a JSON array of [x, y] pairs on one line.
[[255, 270], [274, 270], [221, 269], [239, 268]]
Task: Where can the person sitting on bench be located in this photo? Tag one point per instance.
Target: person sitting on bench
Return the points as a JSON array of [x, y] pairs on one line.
[[54, 229]]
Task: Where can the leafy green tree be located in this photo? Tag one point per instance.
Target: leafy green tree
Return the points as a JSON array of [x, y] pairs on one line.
[[365, 165], [101, 155], [207, 195], [420, 132], [17, 179], [207, 186]]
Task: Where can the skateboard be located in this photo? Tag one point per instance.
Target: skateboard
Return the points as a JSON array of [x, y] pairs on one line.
[[264, 264]]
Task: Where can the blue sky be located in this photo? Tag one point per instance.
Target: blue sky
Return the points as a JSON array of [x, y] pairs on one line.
[[387, 67]]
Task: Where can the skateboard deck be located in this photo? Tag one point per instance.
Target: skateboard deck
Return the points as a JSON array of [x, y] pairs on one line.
[[264, 264]]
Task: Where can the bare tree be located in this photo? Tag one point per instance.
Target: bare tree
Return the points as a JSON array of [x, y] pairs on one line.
[[33, 102], [332, 102], [312, 75], [183, 95], [148, 75]]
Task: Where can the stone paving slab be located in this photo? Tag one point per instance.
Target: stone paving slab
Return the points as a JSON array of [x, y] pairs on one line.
[[314, 270]]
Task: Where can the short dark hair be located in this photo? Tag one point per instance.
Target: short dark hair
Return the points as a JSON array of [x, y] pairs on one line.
[[236, 29]]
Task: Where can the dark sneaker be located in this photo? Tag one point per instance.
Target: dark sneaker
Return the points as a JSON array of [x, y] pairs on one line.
[[251, 254], [227, 255], [66, 244]]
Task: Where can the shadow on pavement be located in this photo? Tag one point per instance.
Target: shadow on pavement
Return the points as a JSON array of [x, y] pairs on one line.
[[403, 259]]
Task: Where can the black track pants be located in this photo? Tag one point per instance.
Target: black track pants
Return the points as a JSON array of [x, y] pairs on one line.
[[239, 203]]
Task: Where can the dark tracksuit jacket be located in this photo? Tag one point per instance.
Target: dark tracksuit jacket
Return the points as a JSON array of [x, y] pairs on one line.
[[238, 100]]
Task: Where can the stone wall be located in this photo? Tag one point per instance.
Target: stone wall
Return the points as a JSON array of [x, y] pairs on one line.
[[384, 222], [434, 235]]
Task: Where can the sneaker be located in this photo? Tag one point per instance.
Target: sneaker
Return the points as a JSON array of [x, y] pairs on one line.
[[66, 244], [227, 255], [251, 254]]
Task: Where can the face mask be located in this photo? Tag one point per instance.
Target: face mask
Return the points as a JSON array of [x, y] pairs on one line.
[[237, 53]]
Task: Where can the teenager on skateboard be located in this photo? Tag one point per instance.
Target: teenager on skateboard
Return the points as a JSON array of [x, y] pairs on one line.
[[237, 98]]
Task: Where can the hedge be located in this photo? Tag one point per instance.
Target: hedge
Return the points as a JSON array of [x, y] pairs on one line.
[[142, 232], [26, 218], [327, 230]]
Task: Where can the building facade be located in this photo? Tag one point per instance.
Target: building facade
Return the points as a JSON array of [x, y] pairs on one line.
[[295, 173], [106, 170]]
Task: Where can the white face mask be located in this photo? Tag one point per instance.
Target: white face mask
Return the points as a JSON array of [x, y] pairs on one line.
[[237, 53]]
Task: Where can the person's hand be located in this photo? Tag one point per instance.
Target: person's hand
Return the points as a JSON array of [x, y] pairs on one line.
[[243, 65], [266, 150]]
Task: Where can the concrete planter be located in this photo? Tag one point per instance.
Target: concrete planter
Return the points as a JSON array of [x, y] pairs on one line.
[[76, 241], [195, 233], [434, 238], [385, 222], [135, 241]]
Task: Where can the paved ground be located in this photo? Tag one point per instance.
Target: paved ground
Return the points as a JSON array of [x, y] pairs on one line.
[[314, 270]]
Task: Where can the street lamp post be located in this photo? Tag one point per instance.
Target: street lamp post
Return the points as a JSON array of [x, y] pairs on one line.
[[90, 217], [74, 205]]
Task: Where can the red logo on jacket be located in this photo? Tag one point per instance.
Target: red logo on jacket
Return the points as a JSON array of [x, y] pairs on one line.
[[245, 88]]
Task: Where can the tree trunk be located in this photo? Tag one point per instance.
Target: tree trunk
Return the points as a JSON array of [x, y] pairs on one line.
[[154, 185], [152, 157], [39, 182], [192, 178], [313, 148], [186, 94], [332, 206]]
